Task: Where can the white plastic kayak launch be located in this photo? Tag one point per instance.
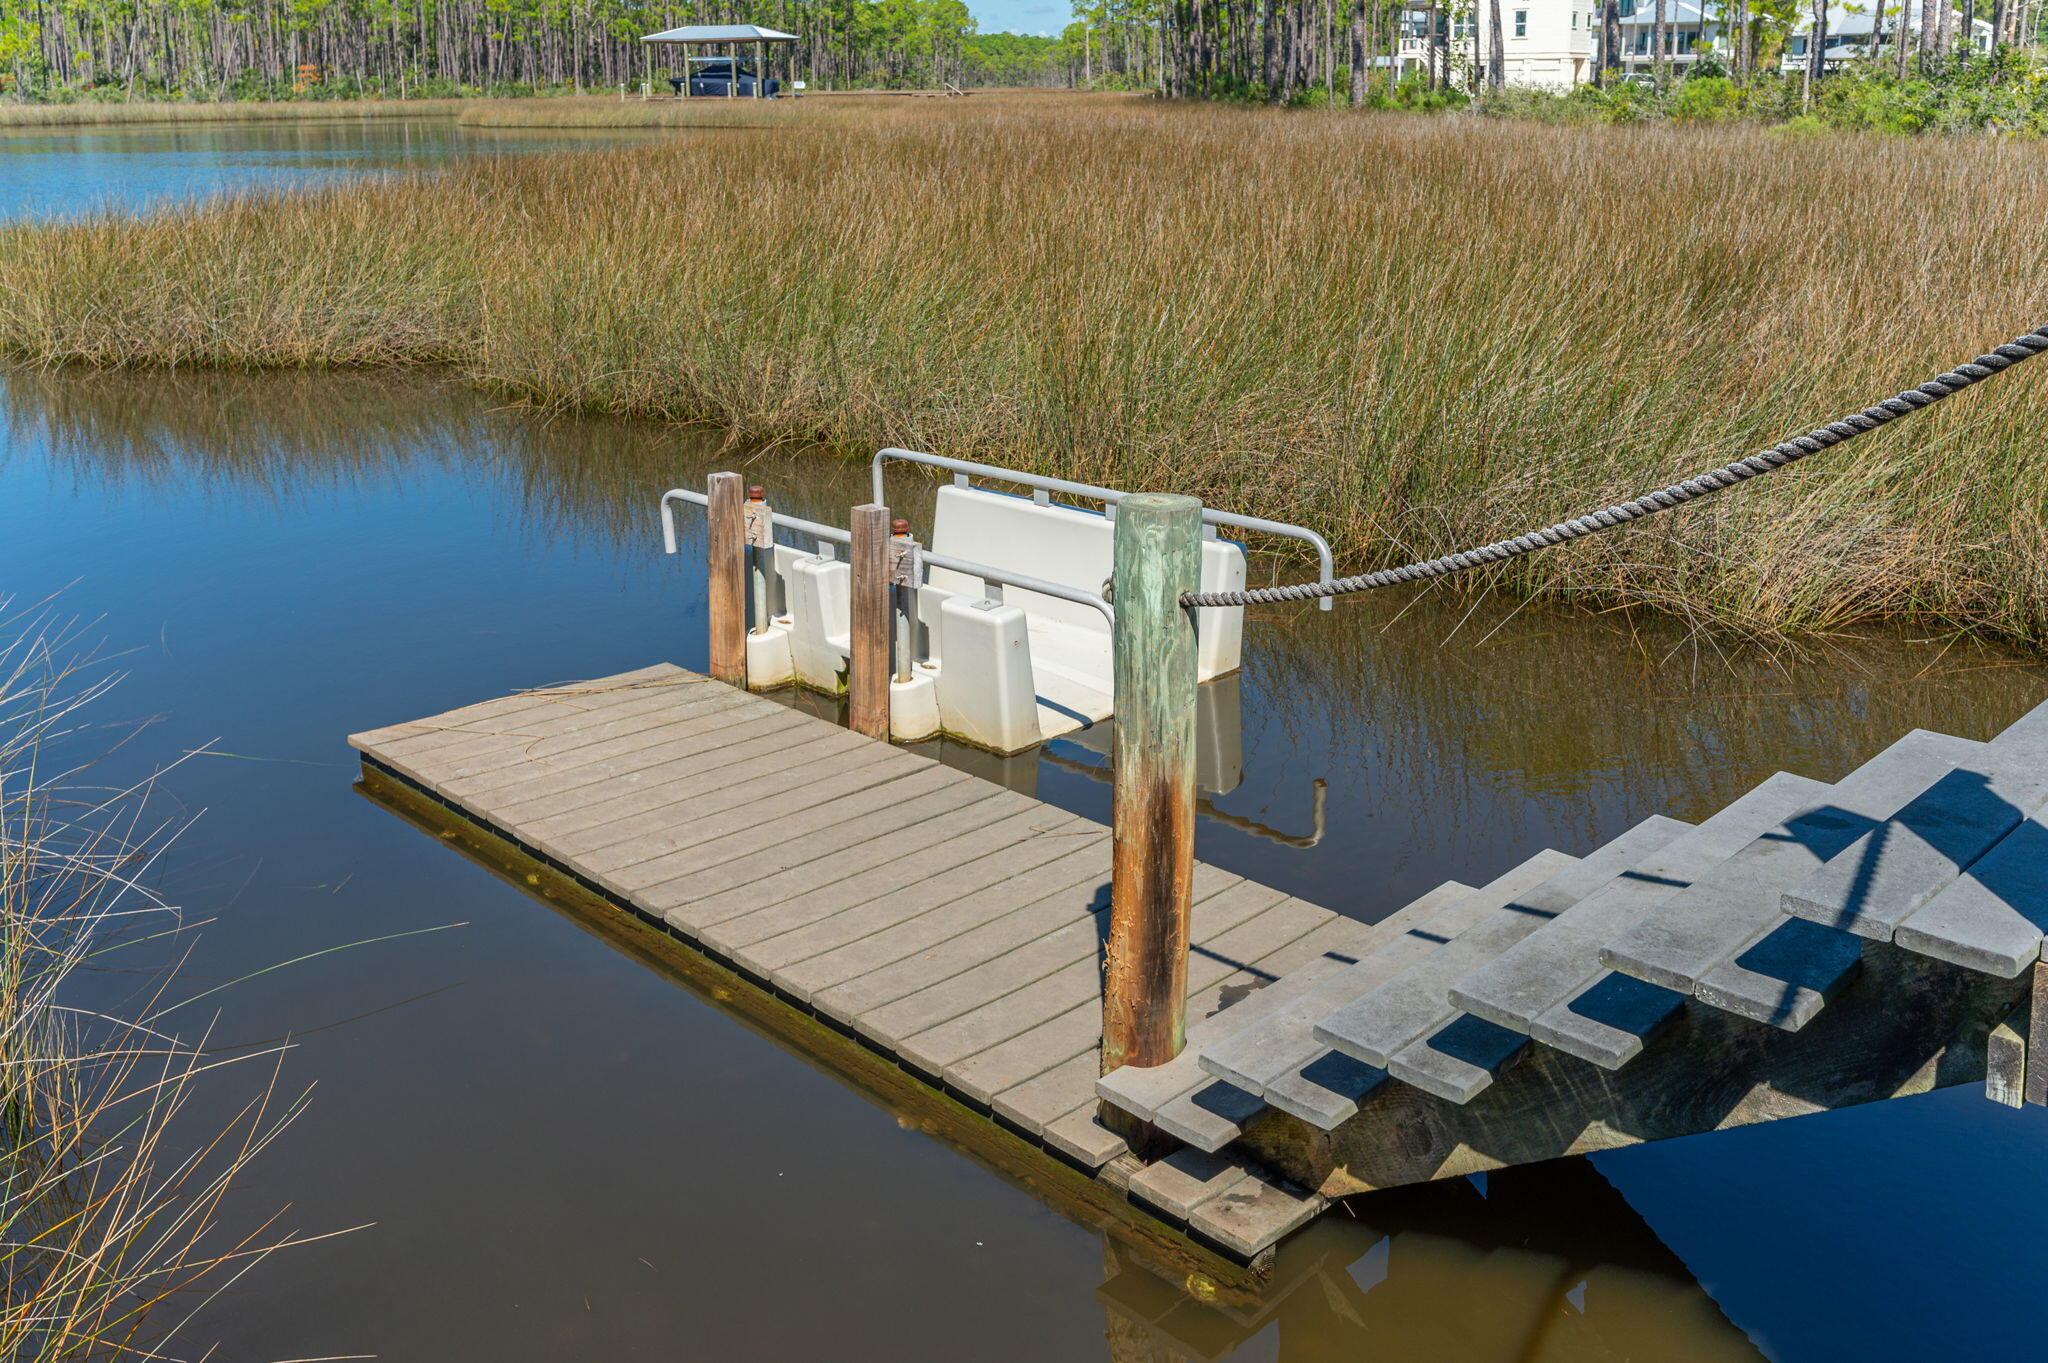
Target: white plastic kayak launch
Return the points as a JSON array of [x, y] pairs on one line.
[[1006, 639]]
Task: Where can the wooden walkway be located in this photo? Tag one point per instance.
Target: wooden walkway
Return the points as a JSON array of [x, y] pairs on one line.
[[1526, 1019], [946, 922]]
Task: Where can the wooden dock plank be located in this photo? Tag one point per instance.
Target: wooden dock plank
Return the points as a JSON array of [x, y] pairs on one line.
[[992, 871], [454, 744], [758, 747], [547, 738], [678, 851], [1028, 1053], [565, 764], [946, 993], [936, 944], [1045, 1098], [701, 809], [777, 872], [1990, 918], [1891, 871], [478, 716], [933, 851], [1280, 1043], [1561, 959], [1185, 1180], [1083, 1139], [1720, 914], [956, 924]]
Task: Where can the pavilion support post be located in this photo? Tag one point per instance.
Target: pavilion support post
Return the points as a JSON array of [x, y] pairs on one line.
[[869, 611], [725, 576], [1144, 994]]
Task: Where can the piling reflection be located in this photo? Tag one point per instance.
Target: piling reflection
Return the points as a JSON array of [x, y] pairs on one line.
[[1548, 1264]]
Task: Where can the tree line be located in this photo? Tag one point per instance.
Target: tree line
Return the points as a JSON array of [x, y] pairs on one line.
[[268, 48], [1283, 50]]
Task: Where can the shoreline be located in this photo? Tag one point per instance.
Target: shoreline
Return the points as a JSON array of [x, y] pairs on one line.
[[1408, 333]]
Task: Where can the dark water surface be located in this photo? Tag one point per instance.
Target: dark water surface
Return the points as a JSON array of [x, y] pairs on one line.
[[566, 1156]]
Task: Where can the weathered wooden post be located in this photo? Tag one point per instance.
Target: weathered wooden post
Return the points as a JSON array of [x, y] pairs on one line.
[[869, 609], [1158, 556], [725, 577]]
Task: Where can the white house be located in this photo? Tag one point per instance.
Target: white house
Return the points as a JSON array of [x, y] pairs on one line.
[[1556, 43], [1552, 43], [1849, 31], [1688, 34]]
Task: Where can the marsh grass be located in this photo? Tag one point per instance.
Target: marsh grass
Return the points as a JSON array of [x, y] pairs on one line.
[[571, 112], [1415, 334], [111, 1238], [91, 112]]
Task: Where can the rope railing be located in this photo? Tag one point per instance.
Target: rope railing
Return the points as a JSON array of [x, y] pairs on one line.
[[1778, 456]]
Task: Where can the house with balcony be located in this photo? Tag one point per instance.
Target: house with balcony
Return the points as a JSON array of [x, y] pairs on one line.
[[1556, 43], [1850, 32], [1689, 34]]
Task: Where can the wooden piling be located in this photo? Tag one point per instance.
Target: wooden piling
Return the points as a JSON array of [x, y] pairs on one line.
[[867, 658], [725, 577], [1157, 557]]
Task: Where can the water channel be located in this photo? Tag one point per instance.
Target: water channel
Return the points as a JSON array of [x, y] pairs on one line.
[[563, 1155]]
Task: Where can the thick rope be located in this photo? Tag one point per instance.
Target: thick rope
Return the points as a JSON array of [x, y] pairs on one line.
[[1678, 494]]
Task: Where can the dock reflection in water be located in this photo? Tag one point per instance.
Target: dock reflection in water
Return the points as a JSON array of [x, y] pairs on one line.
[[1538, 1264], [1545, 1264]]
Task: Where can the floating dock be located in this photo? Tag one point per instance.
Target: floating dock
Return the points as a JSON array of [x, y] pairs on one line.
[[944, 921], [1672, 981]]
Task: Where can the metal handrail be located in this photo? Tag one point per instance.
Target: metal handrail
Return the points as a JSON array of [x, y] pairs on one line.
[[832, 534], [1022, 581], [963, 470]]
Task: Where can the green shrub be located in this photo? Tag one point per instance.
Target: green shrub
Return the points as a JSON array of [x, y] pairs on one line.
[[1707, 99]]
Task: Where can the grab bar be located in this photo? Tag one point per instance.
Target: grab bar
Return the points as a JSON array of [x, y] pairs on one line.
[[963, 470]]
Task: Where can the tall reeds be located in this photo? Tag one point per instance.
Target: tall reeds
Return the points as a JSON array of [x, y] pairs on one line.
[[111, 1233], [1415, 334]]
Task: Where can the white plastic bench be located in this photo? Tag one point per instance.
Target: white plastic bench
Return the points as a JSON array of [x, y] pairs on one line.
[[1002, 675]]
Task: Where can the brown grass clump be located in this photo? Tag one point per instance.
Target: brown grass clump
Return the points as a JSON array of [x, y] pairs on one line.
[[571, 112], [112, 1237], [1415, 334]]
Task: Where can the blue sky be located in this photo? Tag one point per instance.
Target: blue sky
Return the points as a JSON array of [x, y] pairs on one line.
[[1021, 16]]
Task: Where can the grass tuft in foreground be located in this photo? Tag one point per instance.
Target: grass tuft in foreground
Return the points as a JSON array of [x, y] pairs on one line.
[[111, 1233], [1415, 334]]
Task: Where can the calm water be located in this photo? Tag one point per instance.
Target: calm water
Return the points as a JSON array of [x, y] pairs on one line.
[[68, 171], [565, 1156]]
